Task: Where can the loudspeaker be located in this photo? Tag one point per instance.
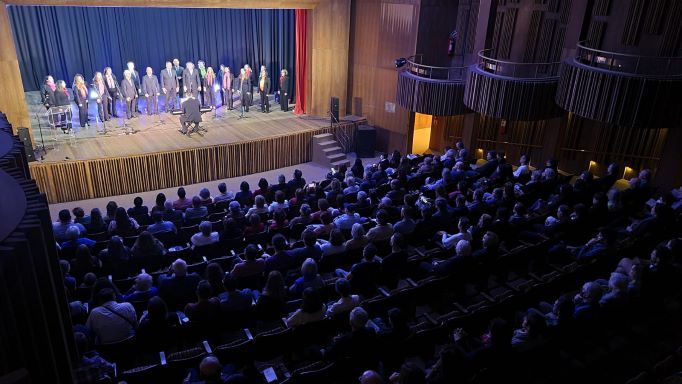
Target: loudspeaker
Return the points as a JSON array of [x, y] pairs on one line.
[[334, 109], [28, 145], [366, 141]]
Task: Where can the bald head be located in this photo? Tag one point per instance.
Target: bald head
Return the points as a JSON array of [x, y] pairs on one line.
[[210, 367], [370, 377]]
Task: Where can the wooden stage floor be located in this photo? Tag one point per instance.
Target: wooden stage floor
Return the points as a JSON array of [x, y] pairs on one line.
[[159, 133]]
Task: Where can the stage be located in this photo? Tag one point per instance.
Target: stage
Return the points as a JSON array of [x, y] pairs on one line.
[[87, 164]]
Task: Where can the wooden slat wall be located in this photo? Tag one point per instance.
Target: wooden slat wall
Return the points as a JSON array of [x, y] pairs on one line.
[[655, 15], [618, 99], [595, 34], [633, 22], [601, 7], [507, 33], [521, 137], [87, 179], [439, 98], [671, 41], [533, 28]]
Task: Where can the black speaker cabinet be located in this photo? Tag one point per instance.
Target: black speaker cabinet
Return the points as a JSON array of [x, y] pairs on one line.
[[334, 109], [28, 145], [366, 141]]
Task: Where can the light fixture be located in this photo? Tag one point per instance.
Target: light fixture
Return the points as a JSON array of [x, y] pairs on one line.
[[592, 164], [400, 62], [626, 171]]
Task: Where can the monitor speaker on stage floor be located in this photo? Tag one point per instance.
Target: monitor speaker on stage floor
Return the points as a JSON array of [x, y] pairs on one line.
[[334, 109], [366, 141], [28, 145]]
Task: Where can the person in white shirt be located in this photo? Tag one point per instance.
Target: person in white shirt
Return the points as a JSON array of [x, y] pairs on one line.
[[450, 241], [346, 302], [383, 229], [111, 322], [523, 167], [205, 236]]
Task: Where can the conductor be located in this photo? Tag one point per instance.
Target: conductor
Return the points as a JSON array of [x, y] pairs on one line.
[[191, 115]]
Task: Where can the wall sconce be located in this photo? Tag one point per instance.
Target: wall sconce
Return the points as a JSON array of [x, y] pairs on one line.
[[479, 153], [626, 171], [592, 164]]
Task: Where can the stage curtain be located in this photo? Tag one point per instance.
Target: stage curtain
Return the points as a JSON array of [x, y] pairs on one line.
[[301, 70], [63, 41]]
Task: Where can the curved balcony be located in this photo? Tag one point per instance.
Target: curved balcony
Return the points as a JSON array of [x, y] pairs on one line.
[[621, 89], [512, 90], [431, 90]]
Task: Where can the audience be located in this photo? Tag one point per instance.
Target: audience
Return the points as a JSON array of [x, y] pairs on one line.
[[177, 289], [111, 321], [60, 227], [312, 309]]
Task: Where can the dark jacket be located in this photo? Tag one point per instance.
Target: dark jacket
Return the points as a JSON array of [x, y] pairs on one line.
[[191, 110]]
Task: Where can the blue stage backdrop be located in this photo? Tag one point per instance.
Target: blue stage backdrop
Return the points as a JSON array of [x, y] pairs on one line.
[[63, 41]]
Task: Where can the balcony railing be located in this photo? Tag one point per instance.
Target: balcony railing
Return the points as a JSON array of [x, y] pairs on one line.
[[415, 67], [519, 70], [627, 63]]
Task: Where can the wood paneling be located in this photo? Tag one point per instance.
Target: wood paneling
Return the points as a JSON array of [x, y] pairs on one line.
[[383, 30], [12, 100], [278, 4], [671, 41], [88, 179], [633, 22], [433, 97]]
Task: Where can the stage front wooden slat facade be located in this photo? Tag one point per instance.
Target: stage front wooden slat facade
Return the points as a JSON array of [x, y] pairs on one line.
[[111, 176]]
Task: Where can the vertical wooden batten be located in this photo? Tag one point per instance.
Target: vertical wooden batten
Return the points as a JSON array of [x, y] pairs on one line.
[[12, 101]]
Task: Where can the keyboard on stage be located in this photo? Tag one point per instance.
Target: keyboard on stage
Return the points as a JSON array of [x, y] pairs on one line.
[[202, 110]]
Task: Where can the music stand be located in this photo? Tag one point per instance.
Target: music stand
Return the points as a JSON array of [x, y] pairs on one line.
[[60, 117]]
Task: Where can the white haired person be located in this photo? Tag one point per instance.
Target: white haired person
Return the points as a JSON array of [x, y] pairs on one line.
[[178, 288]]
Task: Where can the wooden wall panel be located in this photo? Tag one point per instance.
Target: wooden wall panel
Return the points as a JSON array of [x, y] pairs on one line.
[[88, 179], [12, 101], [633, 22], [671, 41], [432, 97], [655, 15]]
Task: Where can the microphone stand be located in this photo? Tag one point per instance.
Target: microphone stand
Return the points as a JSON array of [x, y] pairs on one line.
[[43, 151]]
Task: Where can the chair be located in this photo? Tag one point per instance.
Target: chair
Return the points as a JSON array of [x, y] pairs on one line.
[[118, 352], [143, 374], [269, 344], [99, 236], [316, 372], [258, 239], [168, 238], [178, 362], [129, 241], [185, 233]]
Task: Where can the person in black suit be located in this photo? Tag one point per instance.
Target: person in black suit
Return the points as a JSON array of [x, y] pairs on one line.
[[244, 91], [169, 86], [283, 93], [81, 95], [179, 72], [178, 288], [150, 88], [100, 89], [191, 113], [129, 93], [135, 76], [113, 89], [48, 91], [191, 80], [263, 90], [201, 68]]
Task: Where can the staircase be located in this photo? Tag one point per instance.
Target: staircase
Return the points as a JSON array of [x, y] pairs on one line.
[[328, 152]]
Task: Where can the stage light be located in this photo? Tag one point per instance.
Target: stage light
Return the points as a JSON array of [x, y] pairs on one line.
[[94, 94], [216, 87], [399, 63]]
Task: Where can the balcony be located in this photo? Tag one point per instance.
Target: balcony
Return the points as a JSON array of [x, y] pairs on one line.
[[621, 89], [512, 90], [431, 90]]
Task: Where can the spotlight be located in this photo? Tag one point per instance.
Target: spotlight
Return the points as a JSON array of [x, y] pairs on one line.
[[93, 94], [399, 63], [216, 87]]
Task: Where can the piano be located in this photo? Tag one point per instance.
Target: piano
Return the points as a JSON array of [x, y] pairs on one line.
[[202, 110]]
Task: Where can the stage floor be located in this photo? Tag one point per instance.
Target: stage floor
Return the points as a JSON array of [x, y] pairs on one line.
[[159, 133]]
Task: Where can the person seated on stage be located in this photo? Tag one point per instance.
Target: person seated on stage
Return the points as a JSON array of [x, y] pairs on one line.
[[191, 114], [197, 210]]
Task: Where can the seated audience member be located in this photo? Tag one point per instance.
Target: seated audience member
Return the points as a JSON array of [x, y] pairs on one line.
[[324, 229], [212, 372], [233, 300], [383, 230], [358, 345], [122, 224], [148, 252], [406, 225], [523, 169], [177, 289], [309, 279], [490, 166], [207, 307], [224, 195], [352, 186], [252, 265], [335, 245], [348, 219], [587, 303], [280, 186], [370, 377], [157, 326], [255, 225], [80, 217], [263, 189], [282, 259], [70, 282], [161, 225], [270, 303], [73, 239], [346, 302], [297, 182], [410, 373], [138, 209], [559, 316], [310, 248], [84, 262], [110, 321], [358, 240], [616, 297], [531, 334], [244, 196], [392, 266], [197, 210], [599, 246], [205, 236], [182, 202], [312, 309], [322, 206], [96, 223], [173, 215], [459, 263], [116, 259], [259, 207], [279, 221], [489, 250], [231, 230], [111, 211], [280, 202], [214, 274], [205, 196], [59, 227], [90, 366], [143, 290], [364, 275], [160, 203], [449, 241], [304, 217]]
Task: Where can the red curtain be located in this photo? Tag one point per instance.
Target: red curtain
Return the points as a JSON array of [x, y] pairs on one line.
[[301, 70]]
